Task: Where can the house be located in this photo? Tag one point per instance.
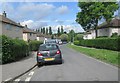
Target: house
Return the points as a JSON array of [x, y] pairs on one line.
[[40, 37], [29, 34], [10, 28], [105, 29]]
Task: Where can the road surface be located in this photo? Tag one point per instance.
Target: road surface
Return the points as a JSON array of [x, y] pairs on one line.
[[76, 67]]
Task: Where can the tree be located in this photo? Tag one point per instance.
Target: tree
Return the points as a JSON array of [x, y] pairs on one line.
[[46, 31], [79, 37], [62, 31], [92, 12], [50, 31], [71, 35], [64, 37], [41, 30], [52, 37], [58, 32]]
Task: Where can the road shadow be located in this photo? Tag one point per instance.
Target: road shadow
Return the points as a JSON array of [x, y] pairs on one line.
[[51, 64]]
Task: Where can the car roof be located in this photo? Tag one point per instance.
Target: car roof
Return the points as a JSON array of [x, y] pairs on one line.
[[48, 44]]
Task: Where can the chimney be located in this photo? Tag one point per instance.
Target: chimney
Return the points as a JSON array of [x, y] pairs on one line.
[[25, 26], [4, 14]]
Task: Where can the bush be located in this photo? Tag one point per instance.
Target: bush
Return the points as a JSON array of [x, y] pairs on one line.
[[64, 37], [34, 45], [114, 35], [79, 37], [102, 43], [13, 49], [76, 43]]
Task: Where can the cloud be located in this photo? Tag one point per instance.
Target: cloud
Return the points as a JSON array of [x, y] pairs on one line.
[[28, 10], [62, 10], [34, 24]]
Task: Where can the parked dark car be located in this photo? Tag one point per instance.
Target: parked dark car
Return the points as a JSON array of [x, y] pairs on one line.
[[49, 53]]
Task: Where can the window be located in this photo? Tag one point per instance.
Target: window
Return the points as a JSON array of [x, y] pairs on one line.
[[17, 29], [30, 34], [8, 27]]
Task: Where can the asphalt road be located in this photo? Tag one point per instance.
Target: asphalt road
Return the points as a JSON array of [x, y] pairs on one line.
[[76, 67]]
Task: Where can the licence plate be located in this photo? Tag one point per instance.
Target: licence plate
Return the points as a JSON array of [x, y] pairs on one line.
[[49, 59]]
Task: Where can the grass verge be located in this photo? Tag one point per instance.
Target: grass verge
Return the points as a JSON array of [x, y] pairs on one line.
[[101, 54]]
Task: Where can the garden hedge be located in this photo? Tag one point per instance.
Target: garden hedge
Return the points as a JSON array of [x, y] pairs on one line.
[[102, 43], [34, 45], [13, 49]]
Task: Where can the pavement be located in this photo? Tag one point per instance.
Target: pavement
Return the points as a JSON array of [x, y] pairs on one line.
[[76, 67], [16, 68]]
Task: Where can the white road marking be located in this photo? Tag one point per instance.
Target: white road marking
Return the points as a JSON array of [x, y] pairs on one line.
[[31, 73], [28, 79], [8, 79], [17, 80]]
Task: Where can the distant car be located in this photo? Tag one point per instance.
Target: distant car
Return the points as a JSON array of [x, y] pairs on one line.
[[64, 42], [51, 41], [59, 42], [49, 53]]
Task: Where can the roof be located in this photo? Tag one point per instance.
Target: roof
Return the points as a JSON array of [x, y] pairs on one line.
[[9, 21], [114, 23], [27, 30]]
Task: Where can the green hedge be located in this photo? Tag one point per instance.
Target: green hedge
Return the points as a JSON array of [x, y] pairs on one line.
[[102, 43], [13, 49], [34, 45]]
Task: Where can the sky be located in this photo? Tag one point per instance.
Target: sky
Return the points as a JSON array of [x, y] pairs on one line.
[[43, 14]]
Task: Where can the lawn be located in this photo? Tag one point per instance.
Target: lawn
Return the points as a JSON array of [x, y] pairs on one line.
[[107, 56]]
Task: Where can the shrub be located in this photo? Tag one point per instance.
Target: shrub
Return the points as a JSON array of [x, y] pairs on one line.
[[79, 37], [76, 43], [34, 45], [102, 43], [64, 37], [114, 35], [13, 49]]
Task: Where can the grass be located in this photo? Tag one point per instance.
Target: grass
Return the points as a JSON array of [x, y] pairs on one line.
[[108, 56]]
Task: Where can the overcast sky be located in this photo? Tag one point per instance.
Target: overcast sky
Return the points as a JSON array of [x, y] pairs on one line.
[[39, 14]]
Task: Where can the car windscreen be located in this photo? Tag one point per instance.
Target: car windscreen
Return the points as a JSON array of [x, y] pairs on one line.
[[50, 41], [48, 47]]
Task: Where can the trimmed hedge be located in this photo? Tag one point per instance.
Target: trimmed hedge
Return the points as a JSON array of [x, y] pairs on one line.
[[102, 43], [13, 49], [34, 45]]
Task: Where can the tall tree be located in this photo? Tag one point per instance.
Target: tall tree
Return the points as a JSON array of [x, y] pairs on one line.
[[62, 31], [58, 32], [41, 30], [92, 12], [71, 35], [46, 31], [50, 31]]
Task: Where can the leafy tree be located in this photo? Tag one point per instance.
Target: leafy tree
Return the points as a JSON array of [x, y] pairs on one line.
[[46, 31], [64, 37], [79, 36], [92, 12], [71, 35], [62, 31], [41, 30], [50, 30], [52, 37], [58, 32]]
